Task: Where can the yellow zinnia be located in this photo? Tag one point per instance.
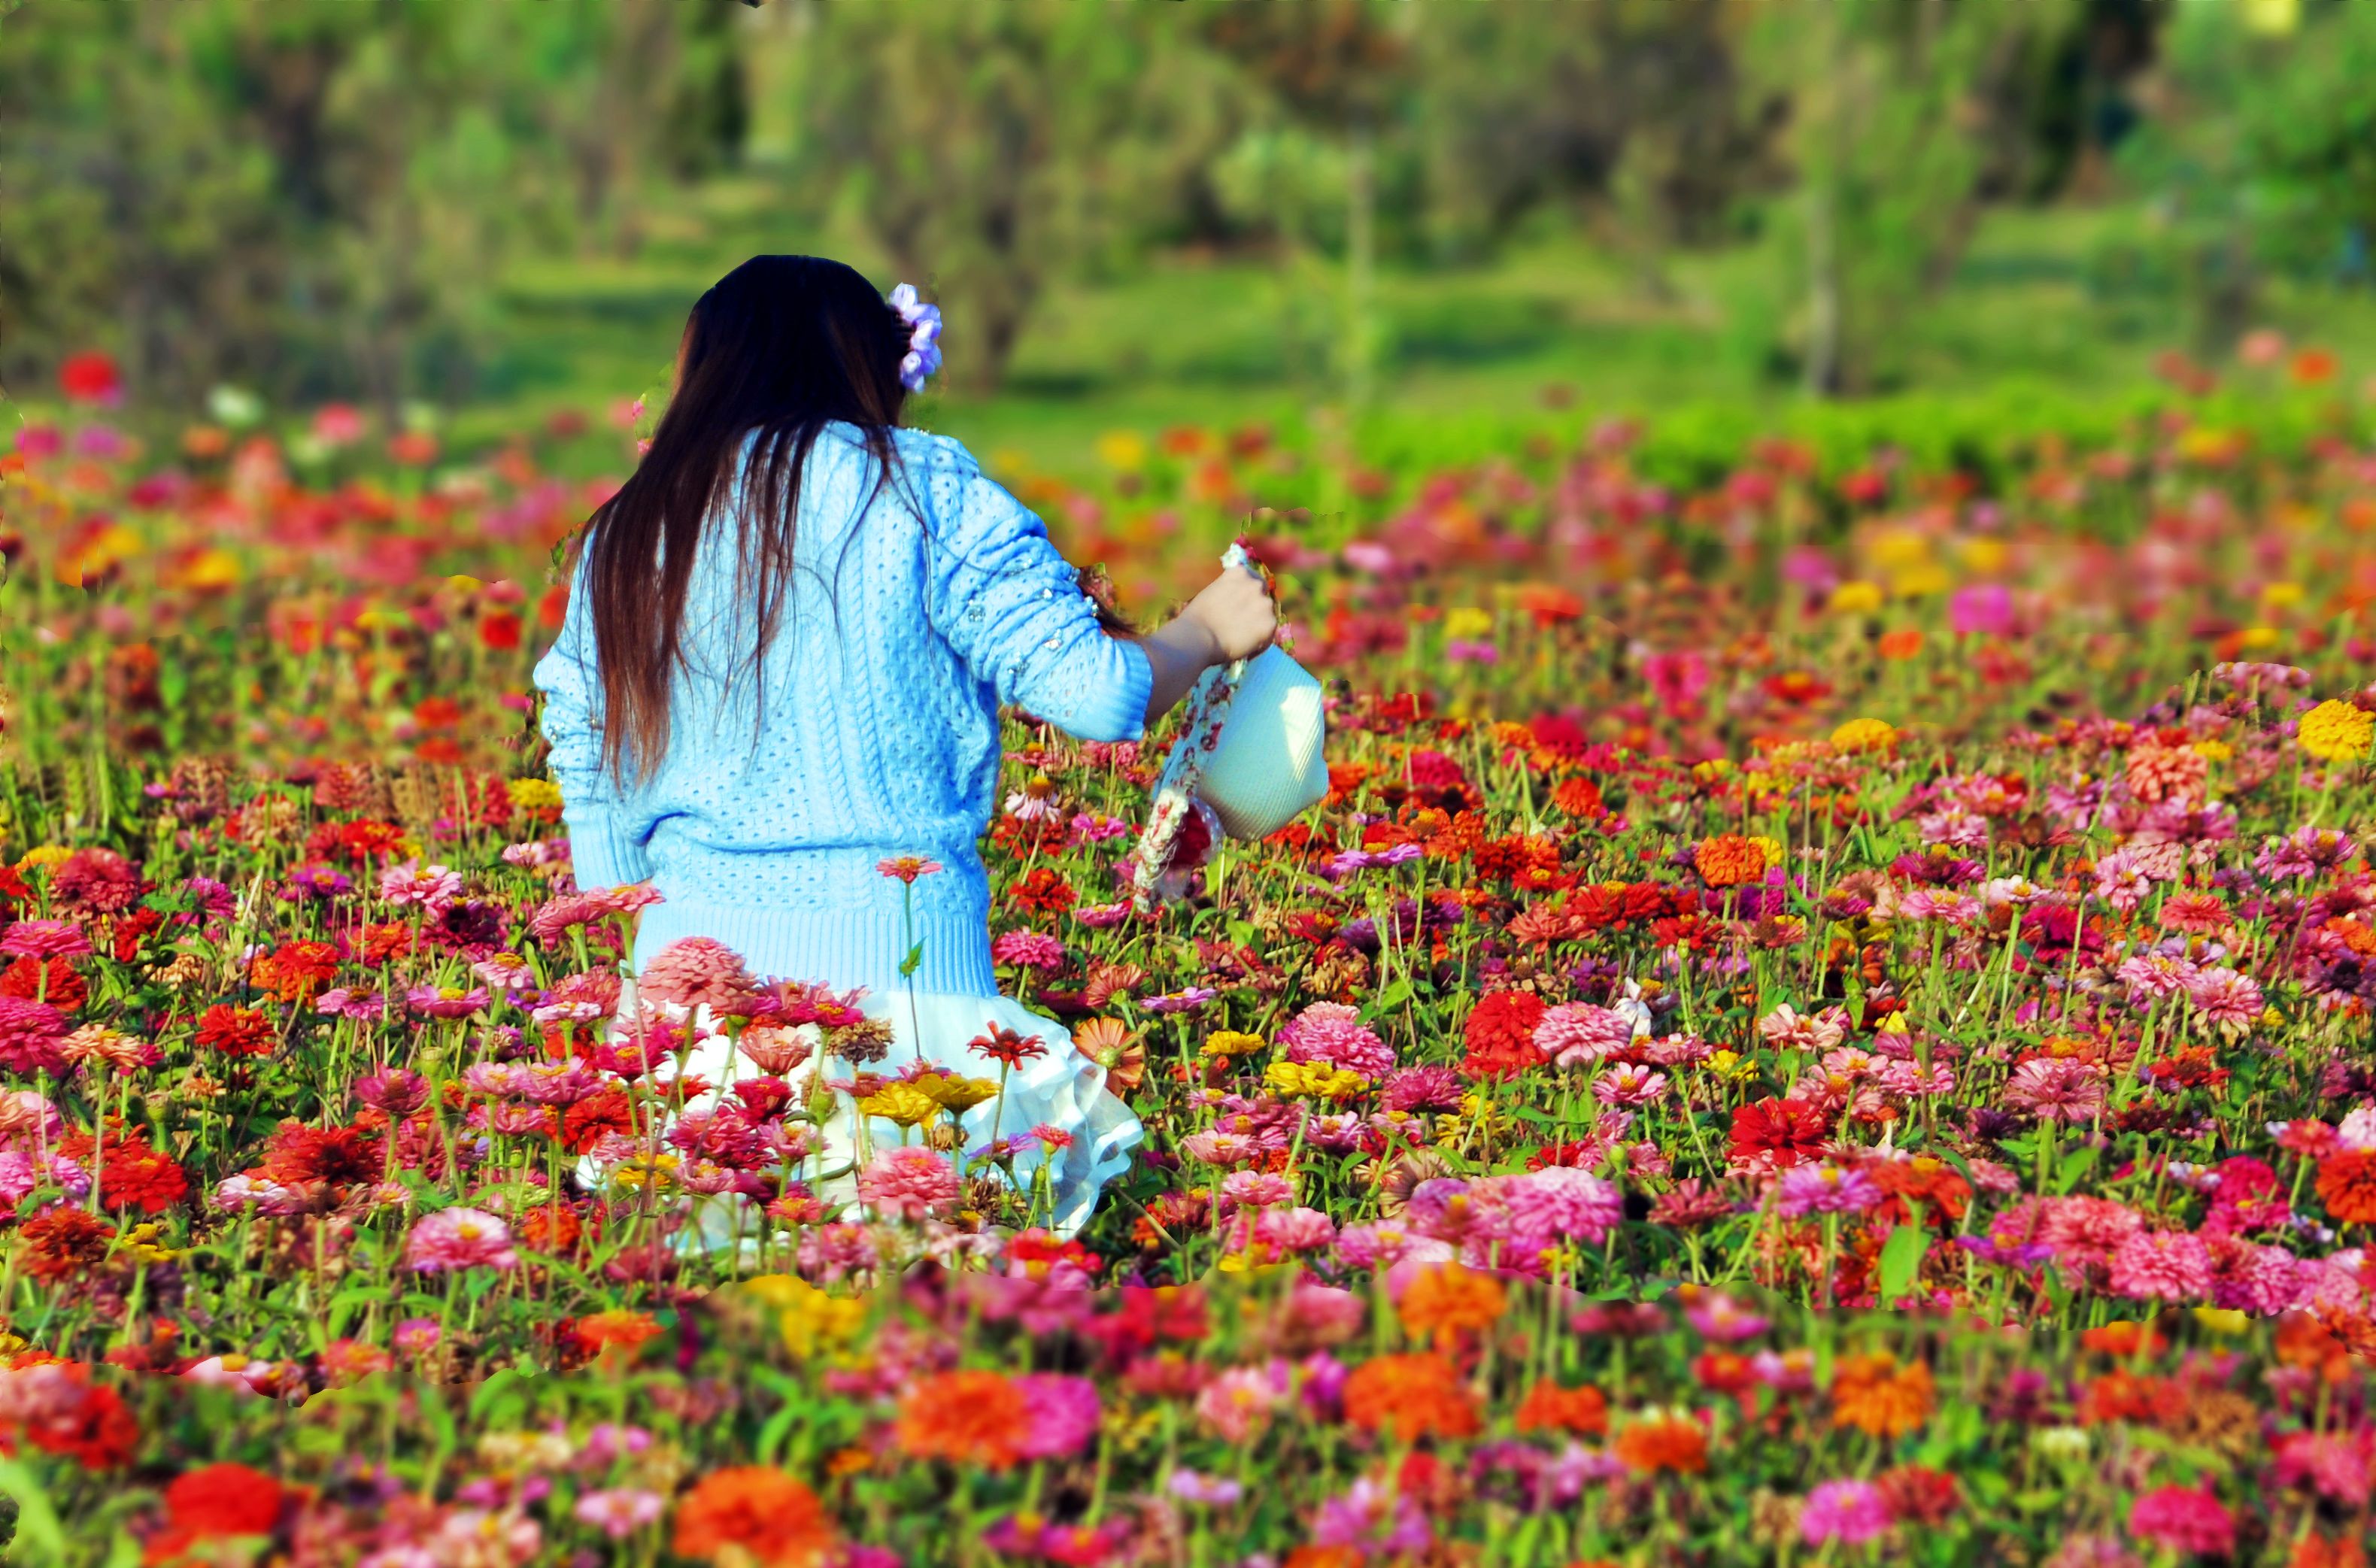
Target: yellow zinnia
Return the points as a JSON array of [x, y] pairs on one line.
[[905, 1104], [2336, 731], [1865, 736]]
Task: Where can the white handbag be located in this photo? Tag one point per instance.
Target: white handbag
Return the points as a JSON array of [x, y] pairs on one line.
[[1251, 758]]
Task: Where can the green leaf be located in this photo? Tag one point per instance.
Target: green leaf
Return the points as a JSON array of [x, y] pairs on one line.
[[499, 1383], [37, 1522], [1901, 1261], [912, 962], [2077, 1162], [1386, 1001], [772, 1435]]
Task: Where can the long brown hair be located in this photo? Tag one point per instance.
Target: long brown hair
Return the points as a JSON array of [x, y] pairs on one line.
[[776, 349]]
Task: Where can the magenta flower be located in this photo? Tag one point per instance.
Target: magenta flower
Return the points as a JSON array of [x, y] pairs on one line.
[[1060, 1414], [45, 939], [2183, 1519], [30, 1033], [908, 868], [1378, 1522], [459, 1238], [1850, 1510], [1826, 1189], [446, 1002]]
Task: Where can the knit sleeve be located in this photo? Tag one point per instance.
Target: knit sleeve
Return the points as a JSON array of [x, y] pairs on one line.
[[605, 846], [1013, 609]]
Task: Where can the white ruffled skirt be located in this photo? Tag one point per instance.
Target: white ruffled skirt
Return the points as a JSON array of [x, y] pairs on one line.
[[1063, 1091]]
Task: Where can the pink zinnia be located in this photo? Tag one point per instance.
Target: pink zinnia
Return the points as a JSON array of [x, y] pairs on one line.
[[1850, 1510], [94, 882], [2168, 1266], [1578, 1034], [30, 1033], [2226, 998], [459, 1238], [45, 939], [697, 969], [907, 1182], [620, 1512], [2086, 1232], [1628, 1083], [2338, 1466], [1569, 1203], [1826, 1189], [1332, 1033], [2183, 1519], [1060, 1414], [1028, 950], [434, 888], [2057, 1088]]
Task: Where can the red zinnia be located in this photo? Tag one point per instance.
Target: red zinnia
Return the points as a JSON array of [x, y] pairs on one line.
[[1006, 1047], [235, 1031], [214, 1503], [1043, 891], [1775, 1133], [1500, 1035], [90, 379]]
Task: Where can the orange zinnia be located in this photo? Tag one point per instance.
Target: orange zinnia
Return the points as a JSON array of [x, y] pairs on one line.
[[1875, 1394], [2346, 1185], [1664, 1440], [1548, 1406], [763, 1511], [1447, 1299], [1410, 1396], [974, 1418], [1728, 860]]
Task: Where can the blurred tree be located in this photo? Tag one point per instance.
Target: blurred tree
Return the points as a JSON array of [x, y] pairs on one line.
[[1637, 110], [315, 199], [1339, 67], [987, 146], [1902, 114]]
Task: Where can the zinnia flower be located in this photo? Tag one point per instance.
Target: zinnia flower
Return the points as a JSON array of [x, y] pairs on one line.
[[908, 1184], [695, 971], [1850, 1510], [2183, 1519], [761, 1510], [459, 1238]]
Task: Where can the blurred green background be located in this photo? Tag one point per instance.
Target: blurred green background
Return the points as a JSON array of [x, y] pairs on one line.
[[1437, 225]]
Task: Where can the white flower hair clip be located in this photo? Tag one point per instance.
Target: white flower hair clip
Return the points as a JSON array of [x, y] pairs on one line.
[[923, 321]]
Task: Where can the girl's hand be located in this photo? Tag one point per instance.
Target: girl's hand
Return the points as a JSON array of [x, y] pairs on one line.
[[1233, 618], [1236, 610]]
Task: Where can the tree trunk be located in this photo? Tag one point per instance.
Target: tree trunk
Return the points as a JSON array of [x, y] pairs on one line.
[[1361, 244]]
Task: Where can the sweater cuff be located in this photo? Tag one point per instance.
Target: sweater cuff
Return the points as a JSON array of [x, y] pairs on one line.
[[1118, 711], [602, 852]]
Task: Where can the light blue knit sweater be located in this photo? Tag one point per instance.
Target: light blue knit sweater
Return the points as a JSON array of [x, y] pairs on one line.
[[879, 737]]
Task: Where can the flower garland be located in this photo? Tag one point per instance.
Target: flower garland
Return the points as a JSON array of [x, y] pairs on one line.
[[1181, 829]]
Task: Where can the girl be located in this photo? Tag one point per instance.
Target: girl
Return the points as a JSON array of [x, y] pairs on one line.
[[883, 597]]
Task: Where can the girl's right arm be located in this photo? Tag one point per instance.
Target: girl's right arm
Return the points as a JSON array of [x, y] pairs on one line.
[[1233, 618], [1014, 609]]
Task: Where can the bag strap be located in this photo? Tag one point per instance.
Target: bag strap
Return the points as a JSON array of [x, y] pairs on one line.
[[1208, 713]]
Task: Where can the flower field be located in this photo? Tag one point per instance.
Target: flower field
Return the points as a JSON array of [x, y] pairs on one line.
[[1825, 1018]]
